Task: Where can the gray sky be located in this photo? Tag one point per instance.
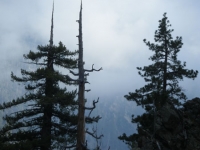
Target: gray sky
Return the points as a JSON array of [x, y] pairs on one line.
[[113, 33]]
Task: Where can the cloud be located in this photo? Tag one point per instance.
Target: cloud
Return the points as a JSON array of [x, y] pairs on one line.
[[113, 33]]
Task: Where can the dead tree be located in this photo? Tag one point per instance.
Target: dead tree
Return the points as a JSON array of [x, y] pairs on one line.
[[82, 79]]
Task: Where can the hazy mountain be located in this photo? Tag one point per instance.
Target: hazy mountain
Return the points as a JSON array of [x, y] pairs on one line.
[[116, 119]]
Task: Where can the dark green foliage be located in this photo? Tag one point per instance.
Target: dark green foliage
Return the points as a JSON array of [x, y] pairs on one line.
[[130, 140], [162, 78], [48, 119]]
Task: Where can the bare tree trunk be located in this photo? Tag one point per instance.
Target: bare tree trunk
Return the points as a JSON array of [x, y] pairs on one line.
[[81, 143], [81, 98]]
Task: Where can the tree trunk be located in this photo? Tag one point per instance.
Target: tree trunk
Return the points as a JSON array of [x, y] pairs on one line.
[[48, 106], [81, 98], [164, 98]]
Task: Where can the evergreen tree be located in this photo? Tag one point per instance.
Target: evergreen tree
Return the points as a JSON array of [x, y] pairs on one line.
[[162, 79], [48, 119]]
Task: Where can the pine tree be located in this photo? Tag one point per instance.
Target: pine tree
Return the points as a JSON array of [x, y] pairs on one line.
[[48, 119], [162, 78]]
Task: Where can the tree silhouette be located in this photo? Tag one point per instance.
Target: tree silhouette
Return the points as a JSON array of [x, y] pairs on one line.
[[82, 80], [162, 79], [48, 120]]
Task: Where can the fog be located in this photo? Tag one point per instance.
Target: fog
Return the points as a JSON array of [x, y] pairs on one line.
[[113, 33]]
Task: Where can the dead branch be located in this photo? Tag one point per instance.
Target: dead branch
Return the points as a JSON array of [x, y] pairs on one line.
[[88, 90], [94, 105], [92, 108], [87, 74], [93, 134], [86, 82], [93, 69], [93, 119]]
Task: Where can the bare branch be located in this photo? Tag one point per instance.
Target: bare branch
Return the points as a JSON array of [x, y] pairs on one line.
[[86, 82], [87, 90], [92, 108], [94, 119], [93, 69], [93, 134], [94, 105]]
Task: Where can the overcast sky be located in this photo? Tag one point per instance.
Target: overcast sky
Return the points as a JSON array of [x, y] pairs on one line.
[[113, 33]]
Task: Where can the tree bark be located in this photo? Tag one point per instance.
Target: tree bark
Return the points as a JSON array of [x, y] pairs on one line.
[[81, 98]]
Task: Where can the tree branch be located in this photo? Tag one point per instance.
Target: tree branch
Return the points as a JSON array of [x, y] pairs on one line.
[[93, 69], [94, 106], [69, 78], [86, 82], [94, 119], [87, 90], [75, 74], [35, 63], [93, 134]]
